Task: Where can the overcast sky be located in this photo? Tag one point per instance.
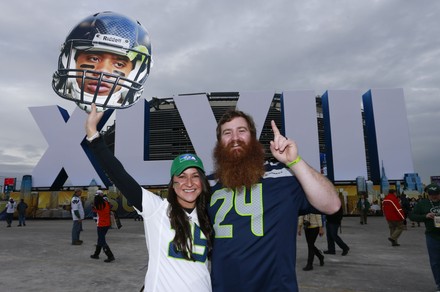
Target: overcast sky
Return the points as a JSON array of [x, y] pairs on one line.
[[230, 45]]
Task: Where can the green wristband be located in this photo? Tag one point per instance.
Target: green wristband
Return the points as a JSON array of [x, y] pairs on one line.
[[290, 164]]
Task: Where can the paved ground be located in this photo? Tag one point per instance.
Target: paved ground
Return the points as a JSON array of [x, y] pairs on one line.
[[39, 257]]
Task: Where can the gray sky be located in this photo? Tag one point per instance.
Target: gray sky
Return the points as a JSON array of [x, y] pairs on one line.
[[229, 45]]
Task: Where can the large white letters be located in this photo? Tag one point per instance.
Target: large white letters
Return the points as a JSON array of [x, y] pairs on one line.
[[301, 123], [344, 134], [341, 110], [387, 133]]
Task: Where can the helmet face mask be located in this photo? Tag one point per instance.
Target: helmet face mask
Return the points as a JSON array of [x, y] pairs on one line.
[[105, 60]]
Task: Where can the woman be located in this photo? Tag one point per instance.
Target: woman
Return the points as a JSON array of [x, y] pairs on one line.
[[312, 224], [102, 209], [177, 230]]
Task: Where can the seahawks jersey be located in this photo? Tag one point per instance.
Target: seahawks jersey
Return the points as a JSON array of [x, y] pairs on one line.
[[76, 205], [167, 268], [255, 233]]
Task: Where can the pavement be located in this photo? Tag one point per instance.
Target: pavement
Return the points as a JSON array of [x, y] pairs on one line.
[[40, 257]]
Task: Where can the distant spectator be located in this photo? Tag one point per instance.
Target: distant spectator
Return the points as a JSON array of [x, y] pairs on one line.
[[333, 222], [104, 196], [363, 206], [394, 215], [312, 224], [77, 216], [10, 209], [428, 211], [412, 204], [102, 208], [21, 208], [406, 208], [375, 208]]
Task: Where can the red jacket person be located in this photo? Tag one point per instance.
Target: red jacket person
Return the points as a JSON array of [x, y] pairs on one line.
[[394, 214]]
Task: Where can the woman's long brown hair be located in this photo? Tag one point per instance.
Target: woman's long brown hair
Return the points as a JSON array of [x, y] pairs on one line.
[[179, 219]]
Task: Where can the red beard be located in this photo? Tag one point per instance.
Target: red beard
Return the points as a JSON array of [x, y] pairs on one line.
[[239, 167]]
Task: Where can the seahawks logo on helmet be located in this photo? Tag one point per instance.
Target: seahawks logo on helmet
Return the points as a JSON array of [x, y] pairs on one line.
[[105, 59]]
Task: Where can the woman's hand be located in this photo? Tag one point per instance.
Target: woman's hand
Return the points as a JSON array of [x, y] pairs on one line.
[[92, 121]]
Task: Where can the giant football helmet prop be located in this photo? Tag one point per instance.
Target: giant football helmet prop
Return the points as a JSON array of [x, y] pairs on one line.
[[105, 32]]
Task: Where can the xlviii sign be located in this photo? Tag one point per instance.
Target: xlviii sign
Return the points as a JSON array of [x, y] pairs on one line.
[[68, 156]]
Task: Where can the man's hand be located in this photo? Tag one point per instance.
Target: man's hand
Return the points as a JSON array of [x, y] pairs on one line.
[[430, 216], [319, 190], [282, 148]]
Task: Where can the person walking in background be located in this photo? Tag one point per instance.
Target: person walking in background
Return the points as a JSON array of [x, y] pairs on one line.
[[412, 204], [21, 208], [333, 222], [394, 215], [428, 211], [10, 209], [102, 209], [312, 224], [104, 196], [77, 211], [406, 207], [363, 206]]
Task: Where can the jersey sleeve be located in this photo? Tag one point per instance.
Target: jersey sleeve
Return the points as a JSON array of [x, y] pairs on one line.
[[150, 203], [115, 171]]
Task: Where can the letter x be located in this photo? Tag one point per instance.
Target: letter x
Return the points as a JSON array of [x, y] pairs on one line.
[[64, 135]]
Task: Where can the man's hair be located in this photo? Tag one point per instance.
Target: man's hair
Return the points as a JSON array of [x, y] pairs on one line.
[[392, 191], [232, 114]]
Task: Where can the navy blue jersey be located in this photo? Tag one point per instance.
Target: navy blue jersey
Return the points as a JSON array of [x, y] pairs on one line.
[[255, 233]]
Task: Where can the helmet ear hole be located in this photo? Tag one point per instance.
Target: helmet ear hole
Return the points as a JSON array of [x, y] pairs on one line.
[[103, 35]]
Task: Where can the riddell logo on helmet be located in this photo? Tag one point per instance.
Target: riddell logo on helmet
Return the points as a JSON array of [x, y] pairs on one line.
[[112, 39]]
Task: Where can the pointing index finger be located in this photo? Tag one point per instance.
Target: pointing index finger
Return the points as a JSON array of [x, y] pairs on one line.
[[275, 130]]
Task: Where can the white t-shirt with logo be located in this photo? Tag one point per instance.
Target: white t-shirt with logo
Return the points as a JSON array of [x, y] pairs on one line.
[[10, 207], [76, 204], [167, 270]]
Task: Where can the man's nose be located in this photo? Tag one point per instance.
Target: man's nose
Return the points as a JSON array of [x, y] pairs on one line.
[[104, 66], [235, 136]]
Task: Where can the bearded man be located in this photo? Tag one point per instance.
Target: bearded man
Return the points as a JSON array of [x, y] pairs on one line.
[[255, 205]]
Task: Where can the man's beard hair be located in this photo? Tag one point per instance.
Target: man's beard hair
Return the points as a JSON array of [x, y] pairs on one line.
[[239, 168]]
